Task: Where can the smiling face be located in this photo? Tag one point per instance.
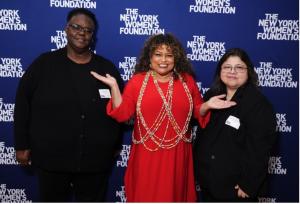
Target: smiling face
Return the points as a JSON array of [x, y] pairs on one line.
[[162, 61], [79, 33], [234, 73]]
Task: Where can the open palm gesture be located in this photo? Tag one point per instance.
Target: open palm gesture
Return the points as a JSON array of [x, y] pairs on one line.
[[217, 102], [107, 79]]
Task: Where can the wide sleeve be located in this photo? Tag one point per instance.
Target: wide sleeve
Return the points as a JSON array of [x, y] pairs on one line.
[[198, 101], [128, 105], [260, 130], [22, 110]]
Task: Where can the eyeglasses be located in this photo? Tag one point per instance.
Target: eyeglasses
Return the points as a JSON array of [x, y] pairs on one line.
[[77, 28], [237, 68]]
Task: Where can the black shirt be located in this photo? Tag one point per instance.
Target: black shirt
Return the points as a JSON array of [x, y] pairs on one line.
[[60, 116]]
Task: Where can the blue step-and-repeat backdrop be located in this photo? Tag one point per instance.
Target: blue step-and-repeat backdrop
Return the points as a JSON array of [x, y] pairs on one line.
[[267, 30]]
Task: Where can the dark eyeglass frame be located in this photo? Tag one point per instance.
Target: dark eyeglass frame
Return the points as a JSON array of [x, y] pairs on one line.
[[237, 68], [78, 28]]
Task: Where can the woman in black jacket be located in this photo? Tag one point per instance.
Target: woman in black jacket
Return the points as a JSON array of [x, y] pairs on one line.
[[60, 120], [232, 152]]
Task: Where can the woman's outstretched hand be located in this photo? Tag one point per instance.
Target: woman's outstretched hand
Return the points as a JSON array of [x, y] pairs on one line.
[[216, 102], [114, 87], [107, 79]]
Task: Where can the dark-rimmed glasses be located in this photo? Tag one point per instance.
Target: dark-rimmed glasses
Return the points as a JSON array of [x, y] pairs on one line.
[[77, 28]]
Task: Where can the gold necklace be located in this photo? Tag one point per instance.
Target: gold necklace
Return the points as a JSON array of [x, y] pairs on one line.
[[165, 112]]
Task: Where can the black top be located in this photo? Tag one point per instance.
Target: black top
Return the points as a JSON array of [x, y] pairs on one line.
[[60, 116], [226, 155]]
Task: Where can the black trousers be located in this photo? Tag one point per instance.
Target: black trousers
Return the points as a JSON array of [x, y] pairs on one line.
[[206, 196], [72, 187]]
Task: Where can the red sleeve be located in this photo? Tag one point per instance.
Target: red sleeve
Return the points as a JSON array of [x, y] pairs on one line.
[[197, 100], [128, 105]]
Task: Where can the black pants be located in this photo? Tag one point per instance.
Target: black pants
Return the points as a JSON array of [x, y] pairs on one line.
[[72, 187], [206, 196]]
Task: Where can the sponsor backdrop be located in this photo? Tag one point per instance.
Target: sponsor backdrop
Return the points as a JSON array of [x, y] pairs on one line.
[[267, 30]]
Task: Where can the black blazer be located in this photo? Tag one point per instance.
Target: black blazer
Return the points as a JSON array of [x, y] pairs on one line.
[[234, 148], [60, 116]]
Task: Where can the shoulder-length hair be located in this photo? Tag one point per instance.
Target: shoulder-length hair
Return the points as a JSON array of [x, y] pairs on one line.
[[181, 64], [218, 86]]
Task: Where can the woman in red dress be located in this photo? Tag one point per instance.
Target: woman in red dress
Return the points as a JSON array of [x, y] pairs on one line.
[[163, 96]]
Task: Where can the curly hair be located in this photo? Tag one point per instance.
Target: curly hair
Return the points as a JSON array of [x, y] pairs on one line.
[[182, 64], [218, 86]]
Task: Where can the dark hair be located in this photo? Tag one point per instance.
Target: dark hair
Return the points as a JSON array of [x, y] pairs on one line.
[[83, 11], [218, 86], [182, 64]]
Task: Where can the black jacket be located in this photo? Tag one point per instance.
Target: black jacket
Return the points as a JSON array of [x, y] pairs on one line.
[[226, 155], [60, 116]]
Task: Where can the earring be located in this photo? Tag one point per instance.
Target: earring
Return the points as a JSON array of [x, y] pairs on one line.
[[175, 70]]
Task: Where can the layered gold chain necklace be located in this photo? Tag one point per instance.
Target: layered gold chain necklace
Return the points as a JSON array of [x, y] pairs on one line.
[[165, 112]]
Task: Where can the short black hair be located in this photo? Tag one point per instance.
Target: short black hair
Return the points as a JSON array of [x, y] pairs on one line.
[[83, 11]]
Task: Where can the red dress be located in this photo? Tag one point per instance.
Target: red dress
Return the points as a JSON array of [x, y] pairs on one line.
[[163, 174]]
